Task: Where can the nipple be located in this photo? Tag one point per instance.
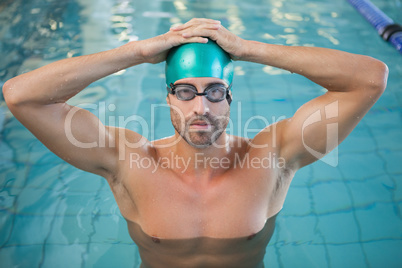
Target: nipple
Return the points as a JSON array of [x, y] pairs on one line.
[[155, 239], [251, 236]]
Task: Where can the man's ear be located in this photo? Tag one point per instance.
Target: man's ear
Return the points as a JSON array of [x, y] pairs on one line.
[[168, 100]]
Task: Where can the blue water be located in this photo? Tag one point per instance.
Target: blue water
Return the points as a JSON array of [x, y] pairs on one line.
[[341, 215]]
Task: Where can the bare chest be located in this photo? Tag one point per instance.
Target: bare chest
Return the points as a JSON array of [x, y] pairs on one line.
[[233, 206]]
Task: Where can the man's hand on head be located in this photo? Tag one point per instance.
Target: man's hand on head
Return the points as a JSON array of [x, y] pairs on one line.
[[213, 29], [155, 50]]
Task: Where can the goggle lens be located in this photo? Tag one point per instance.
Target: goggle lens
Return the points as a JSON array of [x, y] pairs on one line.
[[186, 92]]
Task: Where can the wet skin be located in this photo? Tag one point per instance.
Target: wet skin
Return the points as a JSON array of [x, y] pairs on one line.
[[226, 222], [247, 251], [204, 215]]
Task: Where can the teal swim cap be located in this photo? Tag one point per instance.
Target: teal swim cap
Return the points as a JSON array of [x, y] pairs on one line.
[[198, 60]]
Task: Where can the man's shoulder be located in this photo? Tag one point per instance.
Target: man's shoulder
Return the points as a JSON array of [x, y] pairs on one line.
[[127, 137], [128, 141], [269, 136]]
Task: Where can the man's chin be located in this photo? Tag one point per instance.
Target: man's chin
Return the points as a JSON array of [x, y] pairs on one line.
[[199, 144]]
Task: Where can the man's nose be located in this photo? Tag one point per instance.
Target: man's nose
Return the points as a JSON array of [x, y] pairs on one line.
[[201, 105]]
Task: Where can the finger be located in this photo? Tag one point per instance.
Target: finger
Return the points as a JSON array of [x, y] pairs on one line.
[[196, 40], [212, 26], [195, 22], [176, 27], [200, 32], [204, 30]]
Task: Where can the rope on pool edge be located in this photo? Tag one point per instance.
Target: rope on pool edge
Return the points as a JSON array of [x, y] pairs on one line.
[[386, 28]]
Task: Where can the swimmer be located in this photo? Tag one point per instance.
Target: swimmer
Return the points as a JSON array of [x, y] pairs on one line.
[[201, 197]]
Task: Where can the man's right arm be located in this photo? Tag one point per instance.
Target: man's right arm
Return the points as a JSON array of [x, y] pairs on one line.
[[38, 100]]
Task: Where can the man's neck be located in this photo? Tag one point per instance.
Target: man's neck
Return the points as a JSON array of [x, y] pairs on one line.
[[203, 164]]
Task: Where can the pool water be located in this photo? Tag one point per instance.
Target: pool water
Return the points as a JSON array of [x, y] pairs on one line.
[[344, 211]]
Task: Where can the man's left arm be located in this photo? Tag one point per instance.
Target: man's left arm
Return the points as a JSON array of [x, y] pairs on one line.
[[354, 84]]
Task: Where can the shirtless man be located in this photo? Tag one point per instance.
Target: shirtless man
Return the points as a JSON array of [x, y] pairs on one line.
[[205, 215]]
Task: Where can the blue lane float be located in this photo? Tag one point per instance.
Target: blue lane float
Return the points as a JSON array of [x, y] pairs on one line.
[[386, 28]]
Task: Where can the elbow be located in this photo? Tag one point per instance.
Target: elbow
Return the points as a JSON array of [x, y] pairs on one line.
[[379, 77], [10, 93], [383, 72]]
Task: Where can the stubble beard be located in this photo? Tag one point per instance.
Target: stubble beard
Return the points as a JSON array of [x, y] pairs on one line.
[[200, 138]]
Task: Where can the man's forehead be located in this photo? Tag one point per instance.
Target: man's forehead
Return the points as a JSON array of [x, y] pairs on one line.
[[202, 81]]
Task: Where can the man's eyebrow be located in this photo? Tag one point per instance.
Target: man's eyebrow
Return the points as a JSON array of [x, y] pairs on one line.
[[214, 83], [206, 85]]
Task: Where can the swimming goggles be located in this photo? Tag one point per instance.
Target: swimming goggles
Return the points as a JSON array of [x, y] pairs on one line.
[[214, 93]]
